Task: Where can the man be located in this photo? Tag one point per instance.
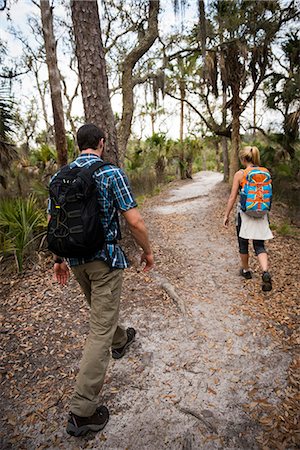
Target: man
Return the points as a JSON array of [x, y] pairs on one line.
[[100, 278]]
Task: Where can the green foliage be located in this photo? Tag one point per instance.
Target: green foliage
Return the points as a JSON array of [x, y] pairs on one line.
[[40, 190], [284, 169], [21, 223], [8, 151], [274, 156], [158, 160], [43, 155], [283, 92], [71, 148], [285, 229]]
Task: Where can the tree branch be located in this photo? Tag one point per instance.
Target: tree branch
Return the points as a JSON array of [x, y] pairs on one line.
[[259, 129], [214, 127], [253, 92], [114, 41], [11, 75]]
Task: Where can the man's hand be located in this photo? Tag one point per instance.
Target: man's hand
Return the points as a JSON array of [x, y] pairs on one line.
[[149, 260], [226, 221], [61, 273]]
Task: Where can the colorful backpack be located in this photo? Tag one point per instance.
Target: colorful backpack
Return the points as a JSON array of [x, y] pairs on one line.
[[256, 191]]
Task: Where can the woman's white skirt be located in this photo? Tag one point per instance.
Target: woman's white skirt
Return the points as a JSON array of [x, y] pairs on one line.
[[252, 228]]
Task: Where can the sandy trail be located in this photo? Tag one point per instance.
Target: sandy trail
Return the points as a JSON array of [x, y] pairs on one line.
[[190, 373], [195, 362]]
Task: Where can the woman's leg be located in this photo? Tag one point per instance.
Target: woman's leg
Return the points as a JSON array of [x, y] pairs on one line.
[[243, 246], [260, 251], [263, 261], [245, 261]]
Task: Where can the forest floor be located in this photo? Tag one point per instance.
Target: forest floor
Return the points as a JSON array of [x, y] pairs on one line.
[[216, 361]]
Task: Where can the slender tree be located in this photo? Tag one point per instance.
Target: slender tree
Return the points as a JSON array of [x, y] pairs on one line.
[[146, 39], [54, 81], [92, 72]]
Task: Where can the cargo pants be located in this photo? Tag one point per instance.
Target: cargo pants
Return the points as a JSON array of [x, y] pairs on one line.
[[102, 289]]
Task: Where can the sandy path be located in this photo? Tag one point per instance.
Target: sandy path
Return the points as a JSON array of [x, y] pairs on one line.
[[205, 360], [196, 362]]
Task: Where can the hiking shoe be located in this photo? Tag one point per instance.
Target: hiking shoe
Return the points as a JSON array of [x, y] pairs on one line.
[[246, 274], [267, 282], [117, 353], [79, 426]]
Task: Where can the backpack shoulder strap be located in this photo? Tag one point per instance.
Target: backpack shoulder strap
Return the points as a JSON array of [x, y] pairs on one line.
[[87, 172], [97, 165], [244, 179], [62, 171]]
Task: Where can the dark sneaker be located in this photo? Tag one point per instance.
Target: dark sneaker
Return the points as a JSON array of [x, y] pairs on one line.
[[246, 274], [267, 282], [79, 426], [117, 353]]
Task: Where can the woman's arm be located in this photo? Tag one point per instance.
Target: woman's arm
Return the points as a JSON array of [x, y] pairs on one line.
[[233, 195]]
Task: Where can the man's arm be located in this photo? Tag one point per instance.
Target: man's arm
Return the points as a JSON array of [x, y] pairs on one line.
[[139, 231], [61, 270]]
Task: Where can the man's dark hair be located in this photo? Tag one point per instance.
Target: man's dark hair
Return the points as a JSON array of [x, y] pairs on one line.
[[88, 136]]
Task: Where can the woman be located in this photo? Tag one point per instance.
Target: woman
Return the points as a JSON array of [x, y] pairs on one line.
[[257, 229]]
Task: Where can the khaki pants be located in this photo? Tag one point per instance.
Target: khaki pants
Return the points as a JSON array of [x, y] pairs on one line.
[[102, 288]]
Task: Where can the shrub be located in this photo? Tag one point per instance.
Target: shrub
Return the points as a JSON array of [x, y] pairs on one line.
[[21, 223]]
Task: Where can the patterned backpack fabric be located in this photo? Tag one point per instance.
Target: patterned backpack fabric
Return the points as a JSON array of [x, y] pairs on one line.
[[256, 191]]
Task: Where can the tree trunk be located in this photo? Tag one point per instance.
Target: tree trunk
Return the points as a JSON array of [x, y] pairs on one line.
[[225, 159], [148, 39], [182, 163], [43, 102], [235, 136], [217, 148], [254, 116], [182, 97], [204, 165], [54, 81], [202, 34], [224, 140], [92, 72], [160, 166], [152, 116]]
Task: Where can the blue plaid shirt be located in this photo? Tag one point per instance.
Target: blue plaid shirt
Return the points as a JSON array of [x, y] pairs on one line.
[[114, 195]]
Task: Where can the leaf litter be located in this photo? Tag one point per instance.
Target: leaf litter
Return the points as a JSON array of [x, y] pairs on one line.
[[43, 328]]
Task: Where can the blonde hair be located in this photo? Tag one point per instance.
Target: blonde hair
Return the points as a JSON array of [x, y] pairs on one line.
[[250, 154]]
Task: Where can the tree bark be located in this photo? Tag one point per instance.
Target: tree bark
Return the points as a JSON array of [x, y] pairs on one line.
[[92, 72], [152, 116], [235, 135], [43, 102], [202, 34], [217, 148], [54, 81], [181, 155], [129, 63], [254, 115], [224, 140]]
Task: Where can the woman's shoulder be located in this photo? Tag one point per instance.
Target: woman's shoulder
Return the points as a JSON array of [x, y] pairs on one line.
[[239, 174]]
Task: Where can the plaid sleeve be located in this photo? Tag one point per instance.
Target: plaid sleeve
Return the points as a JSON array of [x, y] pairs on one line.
[[122, 194]]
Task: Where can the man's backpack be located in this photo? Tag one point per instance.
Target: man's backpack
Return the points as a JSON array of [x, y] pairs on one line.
[[75, 228], [256, 191]]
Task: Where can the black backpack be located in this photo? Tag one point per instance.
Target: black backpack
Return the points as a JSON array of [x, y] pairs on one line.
[[75, 228]]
